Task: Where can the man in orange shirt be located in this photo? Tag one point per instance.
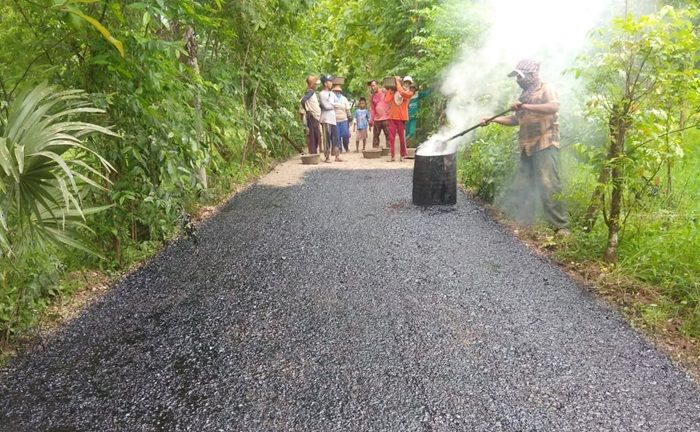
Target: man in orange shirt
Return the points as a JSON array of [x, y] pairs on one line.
[[398, 100]]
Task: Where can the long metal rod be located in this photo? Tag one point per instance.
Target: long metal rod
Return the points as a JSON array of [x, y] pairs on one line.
[[479, 125]]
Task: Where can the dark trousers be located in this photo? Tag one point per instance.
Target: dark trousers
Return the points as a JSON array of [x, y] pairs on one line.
[[314, 138], [331, 140], [397, 127], [538, 179], [379, 126]]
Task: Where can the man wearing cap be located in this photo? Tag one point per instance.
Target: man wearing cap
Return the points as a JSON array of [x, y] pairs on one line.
[[398, 100], [378, 113], [329, 102], [342, 117], [311, 115], [536, 114]]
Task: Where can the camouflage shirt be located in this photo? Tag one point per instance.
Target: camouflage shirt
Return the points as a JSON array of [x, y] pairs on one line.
[[538, 131]]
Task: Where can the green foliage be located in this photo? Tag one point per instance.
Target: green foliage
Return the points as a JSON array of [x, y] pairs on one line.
[[489, 162], [42, 152], [43, 181], [221, 104]]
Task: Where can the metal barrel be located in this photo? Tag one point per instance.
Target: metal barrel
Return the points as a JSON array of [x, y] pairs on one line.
[[435, 180]]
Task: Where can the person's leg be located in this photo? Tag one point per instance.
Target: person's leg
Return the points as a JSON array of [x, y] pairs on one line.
[[317, 135], [346, 136], [314, 133], [346, 139], [401, 128], [335, 140], [327, 142], [375, 135], [392, 137], [385, 127], [547, 168]]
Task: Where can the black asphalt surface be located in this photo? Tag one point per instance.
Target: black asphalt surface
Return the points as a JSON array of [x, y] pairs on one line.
[[336, 305]]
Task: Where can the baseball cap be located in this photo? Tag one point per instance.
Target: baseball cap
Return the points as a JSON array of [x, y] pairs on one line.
[[408, 78], [326, 78]]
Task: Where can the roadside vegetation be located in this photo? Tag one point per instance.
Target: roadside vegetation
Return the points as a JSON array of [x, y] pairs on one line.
[[135, 114], [632, 170]]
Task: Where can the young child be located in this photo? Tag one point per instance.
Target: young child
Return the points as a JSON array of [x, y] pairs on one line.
[[361, 124]]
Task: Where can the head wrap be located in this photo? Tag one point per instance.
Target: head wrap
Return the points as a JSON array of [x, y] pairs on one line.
[[528, 76]]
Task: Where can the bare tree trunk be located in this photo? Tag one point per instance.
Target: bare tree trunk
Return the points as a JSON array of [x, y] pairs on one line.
[[191, 60], [617, 147]]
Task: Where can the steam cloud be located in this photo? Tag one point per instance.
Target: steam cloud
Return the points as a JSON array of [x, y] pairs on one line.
[[551, 31]]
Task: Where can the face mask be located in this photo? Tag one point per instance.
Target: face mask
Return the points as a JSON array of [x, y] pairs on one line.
[[527, 81]]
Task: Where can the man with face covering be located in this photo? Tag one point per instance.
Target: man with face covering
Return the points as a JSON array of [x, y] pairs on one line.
[[539, 174]]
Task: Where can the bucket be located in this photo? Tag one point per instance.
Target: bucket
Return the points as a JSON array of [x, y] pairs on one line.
[[435, 180], [371, 154], [310, 159]]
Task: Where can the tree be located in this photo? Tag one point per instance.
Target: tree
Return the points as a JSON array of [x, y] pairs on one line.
[[638, 64]]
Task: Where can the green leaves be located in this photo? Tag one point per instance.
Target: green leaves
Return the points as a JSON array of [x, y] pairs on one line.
[[42, 173], [65, 6]]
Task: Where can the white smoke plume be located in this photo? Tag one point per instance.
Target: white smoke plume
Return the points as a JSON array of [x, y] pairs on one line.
[[551, 31]]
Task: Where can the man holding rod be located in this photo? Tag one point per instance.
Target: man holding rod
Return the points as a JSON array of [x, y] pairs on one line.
[[536, 114]]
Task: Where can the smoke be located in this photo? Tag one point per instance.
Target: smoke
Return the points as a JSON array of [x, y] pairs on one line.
[[551, 31]]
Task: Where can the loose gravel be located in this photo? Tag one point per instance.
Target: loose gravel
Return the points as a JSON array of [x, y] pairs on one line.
[[336, 305]]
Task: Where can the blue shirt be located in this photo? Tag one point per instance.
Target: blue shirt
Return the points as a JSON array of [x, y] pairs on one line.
[[362, 118]]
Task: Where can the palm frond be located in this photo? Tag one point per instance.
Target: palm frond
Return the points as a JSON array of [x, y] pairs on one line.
[[44, 168]]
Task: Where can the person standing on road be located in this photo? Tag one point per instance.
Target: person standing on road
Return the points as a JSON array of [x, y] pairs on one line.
[[539, 173], [413, 107], [398, 100], [342, 118], [361, 124], [378, 113], [311, 115], [329, 102]]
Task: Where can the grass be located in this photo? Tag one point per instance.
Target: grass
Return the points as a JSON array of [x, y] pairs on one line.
[[656, 282]]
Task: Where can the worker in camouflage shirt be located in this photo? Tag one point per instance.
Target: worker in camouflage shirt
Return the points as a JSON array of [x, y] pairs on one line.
[[539, 174]]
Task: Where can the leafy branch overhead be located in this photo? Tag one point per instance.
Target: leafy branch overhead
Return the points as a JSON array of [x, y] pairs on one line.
[[68, 6]]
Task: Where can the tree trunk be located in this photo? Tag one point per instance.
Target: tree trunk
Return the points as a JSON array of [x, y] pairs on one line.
[[191, 60], [618, 125]]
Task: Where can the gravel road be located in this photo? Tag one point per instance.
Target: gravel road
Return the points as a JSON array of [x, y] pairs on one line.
[[335, 305]]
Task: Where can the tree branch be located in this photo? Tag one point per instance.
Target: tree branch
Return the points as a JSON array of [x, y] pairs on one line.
[[5, 96], [31, 27], [664, 135], [34, 60]]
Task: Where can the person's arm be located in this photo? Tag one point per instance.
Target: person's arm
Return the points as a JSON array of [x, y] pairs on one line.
[[406, 94], [338, 103], [371, 111]]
